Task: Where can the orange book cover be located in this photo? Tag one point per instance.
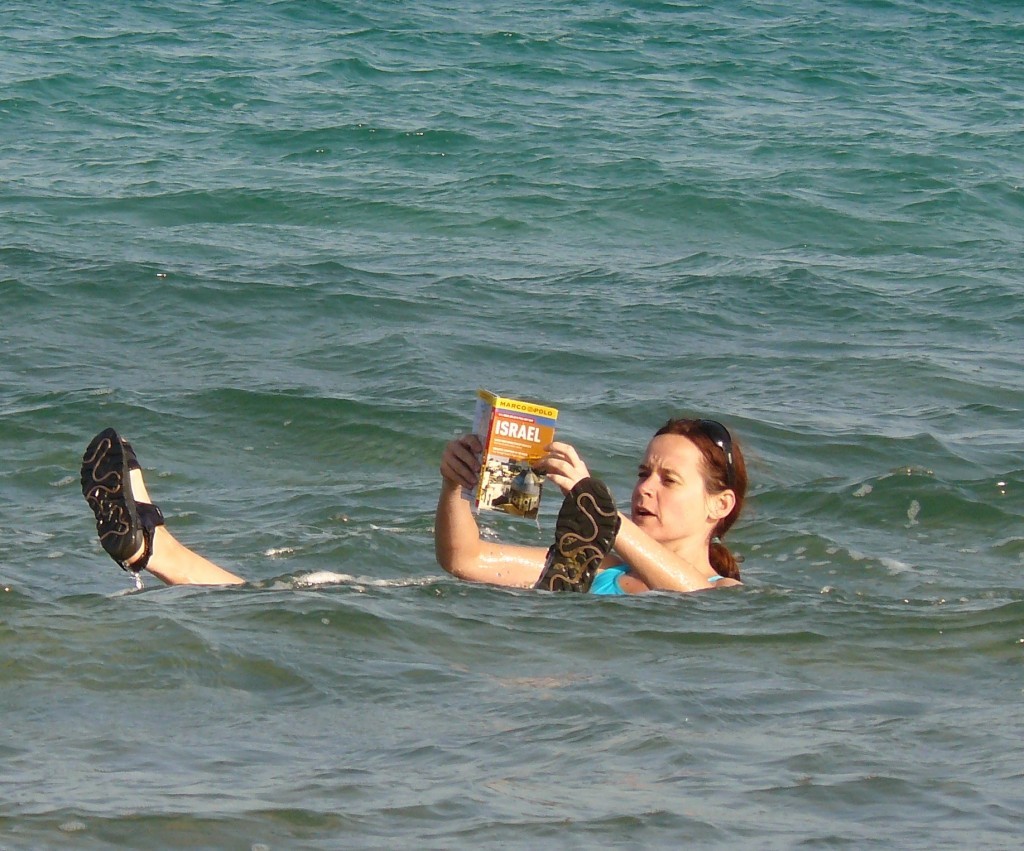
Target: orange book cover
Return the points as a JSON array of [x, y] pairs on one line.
[[514, 435]]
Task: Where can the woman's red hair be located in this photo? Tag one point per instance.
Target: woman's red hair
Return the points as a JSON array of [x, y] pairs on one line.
[[716, 476]]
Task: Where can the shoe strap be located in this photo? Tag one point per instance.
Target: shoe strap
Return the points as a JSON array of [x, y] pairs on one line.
[[150, 516]]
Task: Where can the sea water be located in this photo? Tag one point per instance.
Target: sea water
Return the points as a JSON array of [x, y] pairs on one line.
[[279, 245]]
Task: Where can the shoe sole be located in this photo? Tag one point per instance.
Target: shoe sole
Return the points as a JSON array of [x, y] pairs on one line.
[[107, 489], [584, 534]]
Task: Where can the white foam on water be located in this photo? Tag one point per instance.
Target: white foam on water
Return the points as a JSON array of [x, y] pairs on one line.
[[895, 567], [321, 578]]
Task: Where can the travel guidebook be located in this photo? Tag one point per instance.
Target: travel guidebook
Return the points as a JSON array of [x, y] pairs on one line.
[[514, 435]]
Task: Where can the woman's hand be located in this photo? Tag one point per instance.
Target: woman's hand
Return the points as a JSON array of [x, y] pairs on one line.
[[460, 461], [563, 466]]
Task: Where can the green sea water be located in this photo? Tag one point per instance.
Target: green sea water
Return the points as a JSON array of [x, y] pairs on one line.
[[279, 245]]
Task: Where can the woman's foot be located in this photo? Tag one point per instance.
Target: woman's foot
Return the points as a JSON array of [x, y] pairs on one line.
[[584, 534], [111, 479]]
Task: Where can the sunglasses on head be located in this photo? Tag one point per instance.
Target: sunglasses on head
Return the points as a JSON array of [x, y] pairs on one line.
[[719, 435]]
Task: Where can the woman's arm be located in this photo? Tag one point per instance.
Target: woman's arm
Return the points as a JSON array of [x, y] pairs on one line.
[[659, 568], [457, 544]]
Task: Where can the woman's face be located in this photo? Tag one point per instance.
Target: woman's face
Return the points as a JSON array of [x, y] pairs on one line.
[[670, 502]]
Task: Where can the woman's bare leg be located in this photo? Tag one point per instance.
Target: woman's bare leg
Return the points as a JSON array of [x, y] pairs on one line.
[[172, 561], [126, 519]]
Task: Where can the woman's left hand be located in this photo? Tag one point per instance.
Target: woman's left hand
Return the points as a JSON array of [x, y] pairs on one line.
[[563, 466]]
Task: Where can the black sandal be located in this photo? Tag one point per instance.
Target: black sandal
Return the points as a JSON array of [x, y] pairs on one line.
[[584, 534], [122, 524]]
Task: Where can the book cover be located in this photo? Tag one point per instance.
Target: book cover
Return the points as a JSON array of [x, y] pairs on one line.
[[514, 435]]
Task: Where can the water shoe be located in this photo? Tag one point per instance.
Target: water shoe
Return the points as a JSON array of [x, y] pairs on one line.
[[584, 534], [123, 525]]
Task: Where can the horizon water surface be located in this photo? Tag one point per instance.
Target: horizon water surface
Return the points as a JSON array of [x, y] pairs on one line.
[[279, 245]]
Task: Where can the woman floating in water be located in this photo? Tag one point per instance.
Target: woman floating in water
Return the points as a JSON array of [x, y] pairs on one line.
[[689, 491]]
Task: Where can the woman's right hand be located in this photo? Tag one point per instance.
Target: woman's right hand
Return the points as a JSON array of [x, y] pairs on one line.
[[460, 461]]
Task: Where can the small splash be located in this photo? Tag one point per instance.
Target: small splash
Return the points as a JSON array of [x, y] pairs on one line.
[[274, 552], [63, 483], [895, 567], [912, 512], [321, 578], [863, 490], [73, 826]]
